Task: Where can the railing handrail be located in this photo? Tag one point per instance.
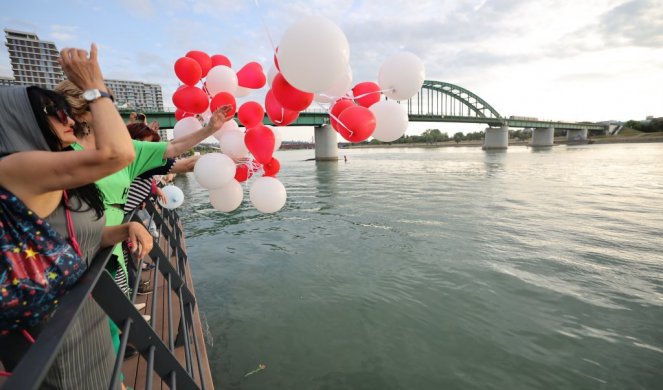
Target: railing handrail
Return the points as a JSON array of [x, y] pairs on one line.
[[97, 282]]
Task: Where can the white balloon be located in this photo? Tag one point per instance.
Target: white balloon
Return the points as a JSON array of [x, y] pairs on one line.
[[267, 194], [339, 89], [271, 73], [228, 197], [313, 54], [232, 144], [242, 92], [174, 197], [402, 75], [214, 170], [186, 126], [391, 120], [221, 79], [229, 125], [277, 136]]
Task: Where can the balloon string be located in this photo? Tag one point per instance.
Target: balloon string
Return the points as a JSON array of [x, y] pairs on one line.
[[264, 25], [348, 96], [371, 93], [340, 123]]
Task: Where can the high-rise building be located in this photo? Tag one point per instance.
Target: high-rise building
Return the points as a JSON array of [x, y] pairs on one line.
[[35, 62], [136, 95]]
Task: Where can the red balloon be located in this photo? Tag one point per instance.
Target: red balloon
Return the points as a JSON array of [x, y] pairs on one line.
[[250, 114], [221, 99], [371, 91], [359, 123], [260, 142], [336, 110], [179, 114], [220, 59], [277, 114], [289, 96], [251, 76], [191, 99], [188, 70], [242, 173], [203, 59], [272, 167]]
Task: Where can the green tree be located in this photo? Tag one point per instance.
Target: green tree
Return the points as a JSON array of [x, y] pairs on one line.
[[458, 137], [432, 135]]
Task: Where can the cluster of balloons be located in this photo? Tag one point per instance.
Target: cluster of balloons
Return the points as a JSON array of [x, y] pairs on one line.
[[208, 83], [311, 63]]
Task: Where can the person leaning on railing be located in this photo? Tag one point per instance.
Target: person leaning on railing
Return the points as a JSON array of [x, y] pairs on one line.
[[37, 166], [149, 155]]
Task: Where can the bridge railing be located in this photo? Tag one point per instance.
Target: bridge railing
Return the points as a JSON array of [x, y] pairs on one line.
[[158, 350]]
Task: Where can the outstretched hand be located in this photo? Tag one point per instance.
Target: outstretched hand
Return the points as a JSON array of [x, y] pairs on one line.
[[220, 116], [81, 69]]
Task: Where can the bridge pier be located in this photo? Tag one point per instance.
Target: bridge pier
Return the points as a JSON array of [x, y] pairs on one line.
[[326, 144], [576, 135], [543, 137], [496, 138]]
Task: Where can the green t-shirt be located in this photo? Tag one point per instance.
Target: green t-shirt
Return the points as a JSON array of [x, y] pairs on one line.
[[149, 155], [115, 188]]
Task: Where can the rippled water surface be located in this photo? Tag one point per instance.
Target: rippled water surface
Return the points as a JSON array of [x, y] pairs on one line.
[[448, 268]]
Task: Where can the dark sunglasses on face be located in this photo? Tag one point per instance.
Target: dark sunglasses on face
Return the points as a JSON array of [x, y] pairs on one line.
[[59, 113]]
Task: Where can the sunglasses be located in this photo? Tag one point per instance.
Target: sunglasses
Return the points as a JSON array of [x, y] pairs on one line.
[[59, 113]]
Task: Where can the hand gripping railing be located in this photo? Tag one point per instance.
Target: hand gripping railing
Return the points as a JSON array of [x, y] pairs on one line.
[[158, 351]]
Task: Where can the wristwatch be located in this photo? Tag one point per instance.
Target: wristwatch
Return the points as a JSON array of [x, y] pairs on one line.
[[91, 95]]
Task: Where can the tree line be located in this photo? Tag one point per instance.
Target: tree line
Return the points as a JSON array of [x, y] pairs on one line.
[[432, 136], [651, 126]]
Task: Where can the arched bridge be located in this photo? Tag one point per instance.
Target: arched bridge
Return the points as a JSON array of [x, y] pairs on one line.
[[436, 101]]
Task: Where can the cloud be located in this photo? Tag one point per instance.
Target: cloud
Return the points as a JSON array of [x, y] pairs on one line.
[[62, 33], [140, 8], [635, 23]]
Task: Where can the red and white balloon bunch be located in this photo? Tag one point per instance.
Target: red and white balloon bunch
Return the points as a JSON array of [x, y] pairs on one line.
[[209, 83], [313, 64]]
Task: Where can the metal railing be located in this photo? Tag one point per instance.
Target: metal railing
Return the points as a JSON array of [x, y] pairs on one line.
[[158, 351]]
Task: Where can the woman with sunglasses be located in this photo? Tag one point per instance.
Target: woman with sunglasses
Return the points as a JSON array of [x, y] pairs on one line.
[[149, 155], [37, 166]]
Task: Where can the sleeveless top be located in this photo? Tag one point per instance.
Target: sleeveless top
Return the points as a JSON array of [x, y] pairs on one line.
[[86, 225]]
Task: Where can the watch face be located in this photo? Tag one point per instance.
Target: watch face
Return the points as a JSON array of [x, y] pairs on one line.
[[90, 95]]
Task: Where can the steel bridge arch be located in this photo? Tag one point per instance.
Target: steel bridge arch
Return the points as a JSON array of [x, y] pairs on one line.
[[467, 98]]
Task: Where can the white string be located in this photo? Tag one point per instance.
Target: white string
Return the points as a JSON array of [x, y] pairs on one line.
[[328, 109], [371, 93], [264, 25]]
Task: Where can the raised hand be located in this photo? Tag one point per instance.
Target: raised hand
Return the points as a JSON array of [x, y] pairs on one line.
[[220, 116], [81, 69]]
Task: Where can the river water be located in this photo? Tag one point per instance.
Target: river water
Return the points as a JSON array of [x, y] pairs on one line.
[[447, 268]]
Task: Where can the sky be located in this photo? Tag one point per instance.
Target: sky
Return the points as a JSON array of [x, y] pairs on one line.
[[571, 60]]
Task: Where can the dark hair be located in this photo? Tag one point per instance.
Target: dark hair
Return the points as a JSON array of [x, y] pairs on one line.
[[41, 98], [140, 130], [141, 117]]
